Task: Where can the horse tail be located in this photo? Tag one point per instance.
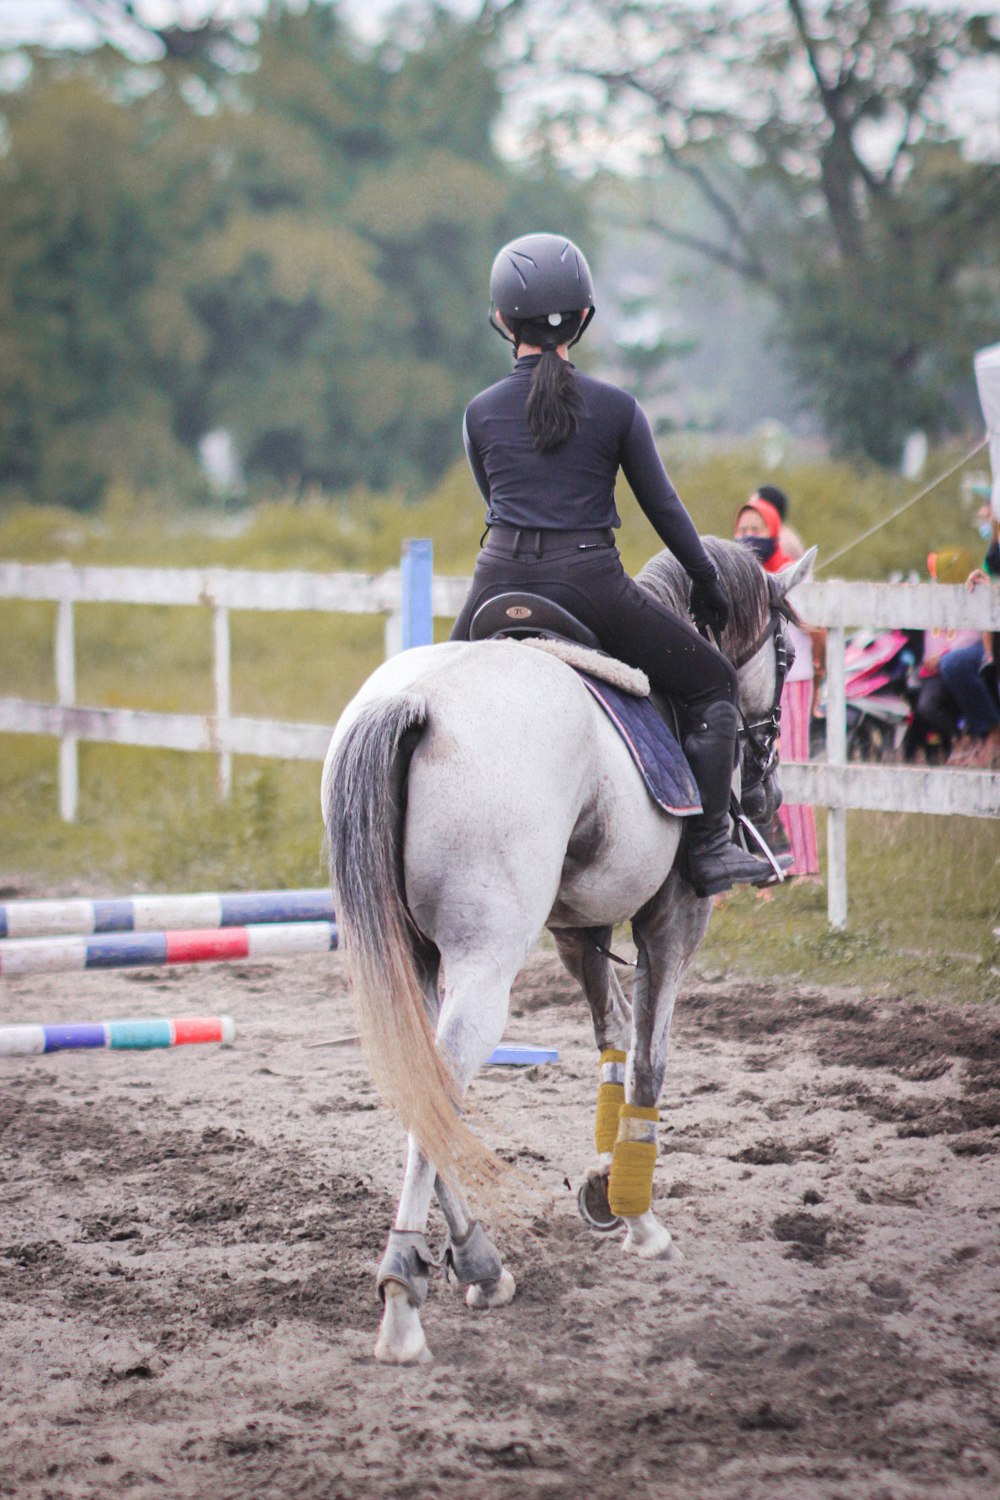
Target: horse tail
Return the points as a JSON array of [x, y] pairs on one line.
[[364, 820]]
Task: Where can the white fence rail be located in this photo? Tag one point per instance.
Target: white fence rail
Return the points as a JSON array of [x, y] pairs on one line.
[[218, 590], [839, 606], [836, 785]]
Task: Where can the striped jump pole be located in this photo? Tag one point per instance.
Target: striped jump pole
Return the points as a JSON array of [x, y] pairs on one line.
[[23, 919], [177, 1031], [128, 950]]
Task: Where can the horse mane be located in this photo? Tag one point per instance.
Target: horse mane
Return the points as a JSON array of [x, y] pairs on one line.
[[748, 586]]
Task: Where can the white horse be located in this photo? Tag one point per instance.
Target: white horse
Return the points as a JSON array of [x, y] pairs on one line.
[[474, 794]]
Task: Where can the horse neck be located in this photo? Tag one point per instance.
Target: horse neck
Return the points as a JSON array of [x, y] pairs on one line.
[[757, 681]]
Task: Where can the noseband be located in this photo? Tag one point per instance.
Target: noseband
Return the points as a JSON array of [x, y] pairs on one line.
[[761, 737]]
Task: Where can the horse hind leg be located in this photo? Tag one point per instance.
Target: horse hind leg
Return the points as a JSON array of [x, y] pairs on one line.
[[408, 1262], [470, 1024], [472, 1021], [405, 1268], [472, 1258]]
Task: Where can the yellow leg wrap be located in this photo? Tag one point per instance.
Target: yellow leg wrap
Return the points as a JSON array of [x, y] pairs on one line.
[[610, 1098], [630, 1190]]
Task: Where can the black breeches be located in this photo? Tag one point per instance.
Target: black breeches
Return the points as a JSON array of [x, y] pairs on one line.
[[591, 583]]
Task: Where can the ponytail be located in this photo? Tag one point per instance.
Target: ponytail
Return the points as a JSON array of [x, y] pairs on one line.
[[553, 406]]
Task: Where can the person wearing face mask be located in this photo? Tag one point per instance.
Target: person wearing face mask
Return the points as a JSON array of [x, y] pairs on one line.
[[758, 527], [789, 541]]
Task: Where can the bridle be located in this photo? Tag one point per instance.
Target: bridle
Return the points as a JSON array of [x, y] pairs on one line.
[[761, 736]]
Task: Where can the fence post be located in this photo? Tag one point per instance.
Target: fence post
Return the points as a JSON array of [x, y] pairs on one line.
[[65, 652], [836, 755], [223, 703], [416, 576]]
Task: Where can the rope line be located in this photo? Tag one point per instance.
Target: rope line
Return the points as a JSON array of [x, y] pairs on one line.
[[900, 509]]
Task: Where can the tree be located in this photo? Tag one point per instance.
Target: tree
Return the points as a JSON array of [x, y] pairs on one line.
[[823, 142], [291, 243], [80, 399]]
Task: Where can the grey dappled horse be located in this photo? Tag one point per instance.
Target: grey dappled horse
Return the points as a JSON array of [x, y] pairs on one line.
[[474, 794]]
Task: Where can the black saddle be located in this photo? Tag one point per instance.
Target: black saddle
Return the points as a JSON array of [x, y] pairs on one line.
[[516, 615]]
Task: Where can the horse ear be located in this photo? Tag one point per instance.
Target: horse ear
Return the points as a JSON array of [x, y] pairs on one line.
[[795, 573]]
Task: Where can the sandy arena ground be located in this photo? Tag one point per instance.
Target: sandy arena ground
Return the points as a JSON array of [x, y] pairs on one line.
[[188, 1241]]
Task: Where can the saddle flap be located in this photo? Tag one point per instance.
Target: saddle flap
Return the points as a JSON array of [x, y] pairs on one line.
[[653, 747], [522, 614]]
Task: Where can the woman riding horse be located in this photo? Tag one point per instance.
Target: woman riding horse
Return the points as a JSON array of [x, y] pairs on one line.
[[545, 445]]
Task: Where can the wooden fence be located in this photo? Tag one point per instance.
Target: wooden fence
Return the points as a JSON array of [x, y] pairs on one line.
[[837, 785], [409, 598]]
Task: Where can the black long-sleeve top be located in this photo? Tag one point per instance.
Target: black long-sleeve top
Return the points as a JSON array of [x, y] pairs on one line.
[[573, 487]]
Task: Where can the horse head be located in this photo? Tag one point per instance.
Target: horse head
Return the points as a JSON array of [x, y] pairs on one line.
[[755, 642], [762, 674]]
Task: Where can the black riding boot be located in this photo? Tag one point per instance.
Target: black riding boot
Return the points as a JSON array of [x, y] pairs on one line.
[[713, 862]]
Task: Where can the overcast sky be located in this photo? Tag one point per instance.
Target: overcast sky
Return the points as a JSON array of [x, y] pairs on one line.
[[65, 23], [60, 22]]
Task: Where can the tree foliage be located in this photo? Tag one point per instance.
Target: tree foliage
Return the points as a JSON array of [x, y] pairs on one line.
[[288, 239], [833, 151]]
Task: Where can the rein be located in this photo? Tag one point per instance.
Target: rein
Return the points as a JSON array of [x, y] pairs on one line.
[[762, 736]]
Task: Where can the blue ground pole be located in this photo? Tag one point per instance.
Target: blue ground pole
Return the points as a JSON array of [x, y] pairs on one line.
[[417, 571]]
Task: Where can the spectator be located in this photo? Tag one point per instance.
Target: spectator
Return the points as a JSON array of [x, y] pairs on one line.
[[788, 540], [970, 672], [933, 728], [758, 526]]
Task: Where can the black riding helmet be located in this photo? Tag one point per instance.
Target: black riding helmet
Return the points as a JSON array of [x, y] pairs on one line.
[[541, 278]]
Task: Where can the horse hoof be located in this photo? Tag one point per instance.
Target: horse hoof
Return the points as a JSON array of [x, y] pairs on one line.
[[651, 1242], [401, 1339], [401, 1356], [592, 1201], [411, 1351], [492, 1293], [667, 1253]]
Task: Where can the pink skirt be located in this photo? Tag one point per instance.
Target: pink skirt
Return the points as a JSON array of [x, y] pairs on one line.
[[798, 819]]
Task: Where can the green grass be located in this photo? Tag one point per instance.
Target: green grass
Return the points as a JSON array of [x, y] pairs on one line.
[[151, 820], [924, 893], [923, 902]]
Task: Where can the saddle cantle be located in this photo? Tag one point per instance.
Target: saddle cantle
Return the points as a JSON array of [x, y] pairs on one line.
[[646, 724], [519, 615]]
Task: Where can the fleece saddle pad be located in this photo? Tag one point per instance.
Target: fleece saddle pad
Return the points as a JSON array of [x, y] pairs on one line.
[[652, 745]]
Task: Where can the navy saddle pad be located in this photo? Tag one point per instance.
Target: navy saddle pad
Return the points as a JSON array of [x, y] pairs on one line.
[[652, 745]]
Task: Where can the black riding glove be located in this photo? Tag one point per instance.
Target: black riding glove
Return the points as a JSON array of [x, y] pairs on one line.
[[709, 603]]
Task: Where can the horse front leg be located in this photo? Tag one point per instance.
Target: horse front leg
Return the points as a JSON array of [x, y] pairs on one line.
[[667, 933], [581, 952]]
